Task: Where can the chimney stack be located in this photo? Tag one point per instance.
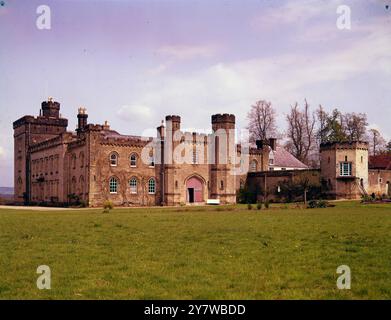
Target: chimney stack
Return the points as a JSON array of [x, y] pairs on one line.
[[259, 144], [273, 143]]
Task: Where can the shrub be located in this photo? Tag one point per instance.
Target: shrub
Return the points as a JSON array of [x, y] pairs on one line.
[[317, 204], [267, 204], [245, 195], [312, 204], [249, 206], [107, 206], [322, 204], [259, 205], [366, 198]]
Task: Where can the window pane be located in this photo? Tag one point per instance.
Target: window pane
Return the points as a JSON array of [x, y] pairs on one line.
[[133, 185], [113, 184], [151, 186]]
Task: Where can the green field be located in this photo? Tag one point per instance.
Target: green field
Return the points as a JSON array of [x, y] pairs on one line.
[[197, 253]]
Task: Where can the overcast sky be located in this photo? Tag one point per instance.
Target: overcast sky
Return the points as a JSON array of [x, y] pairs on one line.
[[133, 62]]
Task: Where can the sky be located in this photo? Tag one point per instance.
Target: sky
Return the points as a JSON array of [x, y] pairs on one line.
[[133, 62]]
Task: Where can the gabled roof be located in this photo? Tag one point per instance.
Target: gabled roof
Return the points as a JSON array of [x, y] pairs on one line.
[[381, 161], [283, 158]]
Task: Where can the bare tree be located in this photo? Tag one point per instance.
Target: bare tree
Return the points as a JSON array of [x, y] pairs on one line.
[[262, 121], [301, 132], [376, 142]]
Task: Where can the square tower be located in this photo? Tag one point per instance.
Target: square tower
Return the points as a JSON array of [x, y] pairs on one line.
[[344, 169], [29, 130]]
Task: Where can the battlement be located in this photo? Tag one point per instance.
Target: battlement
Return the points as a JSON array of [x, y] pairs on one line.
[[361, 145], [50, 108], [60, 122], [223, 118], [173, 118]]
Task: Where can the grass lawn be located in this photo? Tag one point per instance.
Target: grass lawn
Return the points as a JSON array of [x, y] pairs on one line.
[[197, 253]]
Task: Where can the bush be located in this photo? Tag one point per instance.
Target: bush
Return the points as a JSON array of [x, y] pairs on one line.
[[259, 205], [366, 198], [267, 204], [312, 204], [107, 206], [249, 207], [317, 204], [245, 195]]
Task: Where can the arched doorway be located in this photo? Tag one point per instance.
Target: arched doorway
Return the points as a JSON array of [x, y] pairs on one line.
[[388, 189], [194, 190]]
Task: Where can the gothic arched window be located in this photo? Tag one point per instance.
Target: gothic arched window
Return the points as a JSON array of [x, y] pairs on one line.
[[113, 159], [151, 186]]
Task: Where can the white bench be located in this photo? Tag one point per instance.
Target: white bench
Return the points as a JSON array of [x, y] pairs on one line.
[[213, 201]]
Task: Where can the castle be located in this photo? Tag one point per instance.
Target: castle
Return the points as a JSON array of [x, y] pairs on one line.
[[95, 164]]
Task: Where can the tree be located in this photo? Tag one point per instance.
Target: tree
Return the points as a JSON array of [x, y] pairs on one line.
[[322, 117], [301, 132], [388, 147], [262, 121], [376, 142], [355, 126], [331, 126]]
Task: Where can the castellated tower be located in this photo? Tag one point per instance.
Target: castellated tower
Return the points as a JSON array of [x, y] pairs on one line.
[[344, 169], [27, 131], [171, 192], [222, 166]]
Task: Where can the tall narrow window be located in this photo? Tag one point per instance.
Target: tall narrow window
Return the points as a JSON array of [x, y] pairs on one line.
[[195, 156], [133, 185], [73, 186], [113, 159], [81, 182], [151, 161], [133, 160], [113, 185], [253, 166], [74, 161], [151, 186], [81, 156]]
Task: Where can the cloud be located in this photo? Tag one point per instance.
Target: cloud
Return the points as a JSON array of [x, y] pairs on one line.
[[234, 86], [2, 152], [295, 13], [158, 69], [135, 112], [184, 52]]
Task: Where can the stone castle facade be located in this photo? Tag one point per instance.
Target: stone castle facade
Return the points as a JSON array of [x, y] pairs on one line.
[[96, 163]]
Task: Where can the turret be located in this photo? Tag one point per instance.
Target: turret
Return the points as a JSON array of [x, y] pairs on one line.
[[82, 117], [50, 108]]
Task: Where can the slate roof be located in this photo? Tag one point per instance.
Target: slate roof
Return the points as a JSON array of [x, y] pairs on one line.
[[381, 161], [283, 158]]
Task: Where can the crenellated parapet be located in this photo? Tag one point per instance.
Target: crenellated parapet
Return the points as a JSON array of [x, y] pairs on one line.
[[352, 145]]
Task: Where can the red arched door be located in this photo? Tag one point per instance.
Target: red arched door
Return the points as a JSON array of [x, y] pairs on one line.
[[194, 190]]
